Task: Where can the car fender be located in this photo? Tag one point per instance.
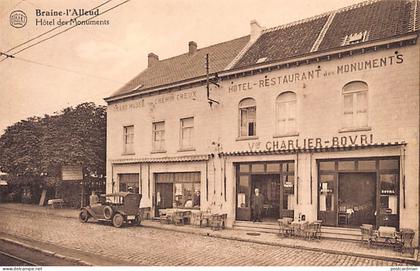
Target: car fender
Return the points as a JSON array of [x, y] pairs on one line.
[[89, 210]]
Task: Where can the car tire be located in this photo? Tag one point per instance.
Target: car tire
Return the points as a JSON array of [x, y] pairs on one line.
[[83, 216], [137, 221], [118, 220], [108, 212]]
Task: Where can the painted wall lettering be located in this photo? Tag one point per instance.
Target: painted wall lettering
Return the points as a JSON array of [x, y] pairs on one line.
[[312, 143]]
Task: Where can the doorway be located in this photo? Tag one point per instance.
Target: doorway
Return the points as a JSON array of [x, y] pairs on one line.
[[275, 180], [269, 187], [164, 196], [356, 199]]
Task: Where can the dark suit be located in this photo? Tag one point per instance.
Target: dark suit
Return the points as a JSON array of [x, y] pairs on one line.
[[257, 206]]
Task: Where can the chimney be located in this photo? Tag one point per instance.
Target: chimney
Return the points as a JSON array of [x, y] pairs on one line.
[[192, 47], [256, 30], [152, 59]]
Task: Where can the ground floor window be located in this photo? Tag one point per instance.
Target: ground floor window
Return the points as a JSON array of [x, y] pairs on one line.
[[129, 182], [353, 192], [275, 182], [178, 190]]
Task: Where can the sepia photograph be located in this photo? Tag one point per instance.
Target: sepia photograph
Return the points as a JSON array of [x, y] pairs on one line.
[[209, 134]]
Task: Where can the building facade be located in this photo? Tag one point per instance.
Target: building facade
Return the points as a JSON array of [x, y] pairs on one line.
[[322, 115]]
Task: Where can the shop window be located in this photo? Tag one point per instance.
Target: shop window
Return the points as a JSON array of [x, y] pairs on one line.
[[391, 164], [129, 182], [288, 192], [273, 167], [288, 167], [128, 139], [186, 188], [244, 168], [389, 198], [187, 133], [346, 165], [257, 168], [243, 198], [355, 113], [327, 165], [286, 113], [158, 135], [247, 117], [327, 191], [367, 165]]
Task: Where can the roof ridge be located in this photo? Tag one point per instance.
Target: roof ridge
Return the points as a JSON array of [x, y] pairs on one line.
[[354, 6]]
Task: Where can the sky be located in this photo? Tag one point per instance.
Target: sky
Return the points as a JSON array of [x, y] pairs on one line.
[[90, 62]]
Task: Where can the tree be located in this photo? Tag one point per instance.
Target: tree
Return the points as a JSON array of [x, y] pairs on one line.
[[20, 148], [75, 136]]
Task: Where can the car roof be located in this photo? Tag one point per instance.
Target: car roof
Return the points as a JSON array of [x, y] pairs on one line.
[[119, 194]]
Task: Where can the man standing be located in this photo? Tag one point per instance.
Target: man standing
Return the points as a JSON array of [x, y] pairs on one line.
[[257, 205]]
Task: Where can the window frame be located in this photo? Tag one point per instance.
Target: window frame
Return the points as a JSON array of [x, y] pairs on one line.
[[182, 128], [126, 149], [160, 145], [287, 103], [356, 123], [242, 108]]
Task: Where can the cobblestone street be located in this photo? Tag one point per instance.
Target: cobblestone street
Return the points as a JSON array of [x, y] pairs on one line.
[[146, 246]]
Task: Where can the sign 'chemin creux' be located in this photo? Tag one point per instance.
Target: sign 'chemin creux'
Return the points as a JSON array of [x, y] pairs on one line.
[[312, 143]]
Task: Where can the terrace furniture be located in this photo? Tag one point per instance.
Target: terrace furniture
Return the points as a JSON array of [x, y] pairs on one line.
[[196, 218], [285, 228], [218, 221], [367, 233], [299, 228], [405, 240], [181, 217], [313, 230], [55, 203]]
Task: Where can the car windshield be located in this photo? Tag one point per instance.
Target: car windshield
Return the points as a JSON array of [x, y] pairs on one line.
[[115, 199]]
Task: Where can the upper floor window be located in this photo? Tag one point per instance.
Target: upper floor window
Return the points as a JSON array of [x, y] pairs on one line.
[[158, 135], [286, 113], [187, 133], [248, 117], [128, 139], [355, 113]]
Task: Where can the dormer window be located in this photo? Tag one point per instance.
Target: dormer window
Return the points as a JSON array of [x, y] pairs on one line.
[[355, 38], [261, 60]]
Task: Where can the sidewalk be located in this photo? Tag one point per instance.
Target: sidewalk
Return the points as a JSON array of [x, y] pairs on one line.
[[324, 245]]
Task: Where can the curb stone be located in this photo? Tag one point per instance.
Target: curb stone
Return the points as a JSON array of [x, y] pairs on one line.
[[46, 252]]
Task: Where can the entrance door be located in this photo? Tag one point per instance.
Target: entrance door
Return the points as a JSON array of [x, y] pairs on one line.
[[328, 199], [356, 199], [164, 196], [269, 186], [243, 198]]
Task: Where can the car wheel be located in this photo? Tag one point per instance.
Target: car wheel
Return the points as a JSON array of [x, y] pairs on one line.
[[137, 221], [84, 216], [118, 220], [108, 212]]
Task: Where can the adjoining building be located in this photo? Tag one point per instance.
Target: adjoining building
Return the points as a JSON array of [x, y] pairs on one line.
[[322, 115]]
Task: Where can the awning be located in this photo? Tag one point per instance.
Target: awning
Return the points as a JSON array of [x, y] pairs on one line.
[[312, 150], [186, 158]]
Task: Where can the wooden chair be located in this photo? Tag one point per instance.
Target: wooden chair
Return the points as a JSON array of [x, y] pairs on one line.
[[216, 221], [178, 218], [285, 228], [367, 233], [196, 218], [313, 231], [405, 241]]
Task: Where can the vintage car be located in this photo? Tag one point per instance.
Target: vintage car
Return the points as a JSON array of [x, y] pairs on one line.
[[117, 207]]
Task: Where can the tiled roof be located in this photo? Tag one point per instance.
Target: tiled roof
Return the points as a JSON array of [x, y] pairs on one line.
[[284, 42], [186, 66], [380, 19], [373, 20]]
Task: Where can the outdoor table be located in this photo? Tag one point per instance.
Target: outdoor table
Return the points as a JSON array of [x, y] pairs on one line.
[[386, 236], [298, 227]]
